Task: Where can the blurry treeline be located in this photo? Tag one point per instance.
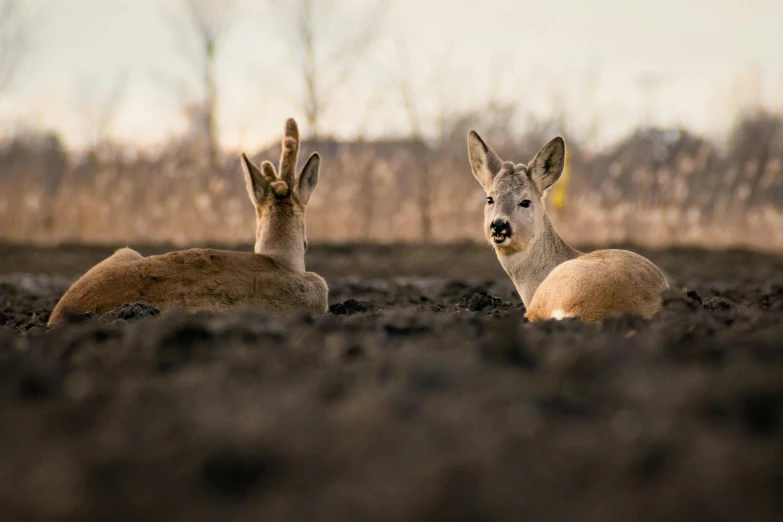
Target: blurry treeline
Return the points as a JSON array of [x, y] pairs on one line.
[[656, 187]]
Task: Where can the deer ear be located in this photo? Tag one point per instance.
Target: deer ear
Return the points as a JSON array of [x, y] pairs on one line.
[[483, 160], [256, 183], [547, 166], [308, 179]]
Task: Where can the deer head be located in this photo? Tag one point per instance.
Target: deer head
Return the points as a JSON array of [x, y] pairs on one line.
[[514, 215], [280, 200]]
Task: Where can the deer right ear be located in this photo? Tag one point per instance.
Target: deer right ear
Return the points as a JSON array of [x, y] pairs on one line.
[[308, 178], [256, 183], [483, 160]]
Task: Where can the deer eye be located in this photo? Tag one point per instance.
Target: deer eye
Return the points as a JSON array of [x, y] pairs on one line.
[[490, 201], [525, 203]]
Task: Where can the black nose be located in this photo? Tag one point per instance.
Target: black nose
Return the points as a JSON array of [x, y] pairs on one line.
[[500, 226]]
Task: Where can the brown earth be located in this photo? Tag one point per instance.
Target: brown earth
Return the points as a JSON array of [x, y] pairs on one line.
[[422, 396]]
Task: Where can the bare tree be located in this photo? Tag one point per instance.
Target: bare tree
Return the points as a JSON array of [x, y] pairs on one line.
[[429, 102], [13, 39], [99, 110], [402, 77], [327, 46], [575, 115], [649, 85], [206, 24]]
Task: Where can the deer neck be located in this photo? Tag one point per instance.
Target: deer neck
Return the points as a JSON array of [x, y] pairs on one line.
[[282, 239], [528, 268]]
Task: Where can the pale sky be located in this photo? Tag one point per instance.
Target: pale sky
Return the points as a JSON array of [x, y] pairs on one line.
[[712, 56]]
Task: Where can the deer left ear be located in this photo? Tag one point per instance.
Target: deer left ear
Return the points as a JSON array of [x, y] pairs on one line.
[[547, 166], [255, 181]]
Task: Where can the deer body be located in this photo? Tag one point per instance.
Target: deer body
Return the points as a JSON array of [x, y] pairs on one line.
[[196, 280], [553, 279], [273, 278]]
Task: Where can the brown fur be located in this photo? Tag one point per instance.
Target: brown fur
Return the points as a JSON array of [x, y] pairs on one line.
[[553, 279], [197, 279], [598, 285], [273, 278]]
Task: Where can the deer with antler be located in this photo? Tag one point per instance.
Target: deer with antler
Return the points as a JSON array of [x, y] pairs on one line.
[[273, 278]]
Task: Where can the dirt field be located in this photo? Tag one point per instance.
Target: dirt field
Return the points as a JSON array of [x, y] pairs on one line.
[[422, 396]]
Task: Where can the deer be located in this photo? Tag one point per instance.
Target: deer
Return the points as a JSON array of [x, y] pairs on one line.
[[554, 280], [272, 278]]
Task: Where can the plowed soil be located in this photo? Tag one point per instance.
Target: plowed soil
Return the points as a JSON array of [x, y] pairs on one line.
[[422, 396]]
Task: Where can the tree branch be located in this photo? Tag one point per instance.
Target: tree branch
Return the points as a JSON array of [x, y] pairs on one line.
[[13, 40]]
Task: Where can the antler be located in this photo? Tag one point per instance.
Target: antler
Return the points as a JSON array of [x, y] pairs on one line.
[[268, 170], [279, 187], [283, 185], [290, 153]]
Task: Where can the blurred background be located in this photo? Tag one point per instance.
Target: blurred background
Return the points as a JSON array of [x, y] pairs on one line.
[[122, 121]]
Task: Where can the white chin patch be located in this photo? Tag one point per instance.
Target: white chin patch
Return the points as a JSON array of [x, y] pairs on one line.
[[557, 314]]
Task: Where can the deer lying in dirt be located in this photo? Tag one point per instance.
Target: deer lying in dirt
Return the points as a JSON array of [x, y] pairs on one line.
[[273, 278], [553, 279]]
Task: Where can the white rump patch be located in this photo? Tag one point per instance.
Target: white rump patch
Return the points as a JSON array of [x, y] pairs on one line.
[[557, 314]]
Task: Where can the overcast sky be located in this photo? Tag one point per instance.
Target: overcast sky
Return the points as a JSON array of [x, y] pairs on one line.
[[710, 57]]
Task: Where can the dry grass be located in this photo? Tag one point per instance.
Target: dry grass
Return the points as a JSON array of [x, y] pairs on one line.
[[653, 188]]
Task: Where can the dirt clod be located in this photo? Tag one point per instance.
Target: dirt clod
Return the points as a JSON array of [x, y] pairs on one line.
[[718, 303], [131, 311], [351, 306], [480, 302]]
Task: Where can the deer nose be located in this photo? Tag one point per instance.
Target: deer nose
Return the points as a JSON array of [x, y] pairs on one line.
[[500, 226]]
